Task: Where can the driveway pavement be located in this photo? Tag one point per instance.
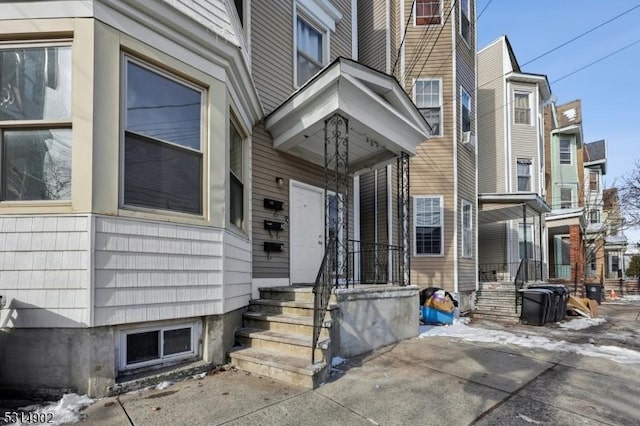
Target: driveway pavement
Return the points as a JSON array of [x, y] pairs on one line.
[[437, 381]]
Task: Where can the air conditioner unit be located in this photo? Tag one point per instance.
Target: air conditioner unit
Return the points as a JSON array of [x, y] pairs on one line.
[[468, 138]]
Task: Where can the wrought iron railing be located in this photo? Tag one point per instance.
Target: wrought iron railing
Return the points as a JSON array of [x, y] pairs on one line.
[[325, 281], [374, 263], [519, 280], [494, 272]]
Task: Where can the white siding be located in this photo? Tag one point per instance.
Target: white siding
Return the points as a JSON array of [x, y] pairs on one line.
[[237, 272], [149, 271], [43, 271], [211, 14]]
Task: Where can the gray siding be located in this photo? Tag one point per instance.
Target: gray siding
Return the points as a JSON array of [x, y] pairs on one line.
[[372, 33], [494, 243], [524, 139], [212, 14], [491, 116]]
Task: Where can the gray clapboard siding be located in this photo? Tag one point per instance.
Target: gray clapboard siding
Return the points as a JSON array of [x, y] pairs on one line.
[[524, 139], [43, 271], [211, 14], [237, 272], [372, 34]]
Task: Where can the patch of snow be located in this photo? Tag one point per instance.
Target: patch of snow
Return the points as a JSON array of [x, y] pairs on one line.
[[528, 419], [581, 323], [336, 361], [476, 334], [465, 320], [199, 376], [164, 385], [65, 411]]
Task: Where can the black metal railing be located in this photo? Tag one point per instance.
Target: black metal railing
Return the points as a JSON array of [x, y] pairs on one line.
[[376, 263], [519, 280], [494, 272], [325, 281]]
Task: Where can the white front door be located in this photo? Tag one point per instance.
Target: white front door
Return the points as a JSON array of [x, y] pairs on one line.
[[306, 232]]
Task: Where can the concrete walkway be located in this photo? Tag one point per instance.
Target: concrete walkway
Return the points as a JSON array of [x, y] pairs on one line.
[[416, 382]]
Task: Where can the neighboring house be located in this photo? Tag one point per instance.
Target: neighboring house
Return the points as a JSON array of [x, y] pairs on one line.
[[511, 169], [595, 168], [615, 244], [429, 46], [564, 179], [125, 234]]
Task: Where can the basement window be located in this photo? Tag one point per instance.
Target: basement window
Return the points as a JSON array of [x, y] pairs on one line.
[[151, 346]]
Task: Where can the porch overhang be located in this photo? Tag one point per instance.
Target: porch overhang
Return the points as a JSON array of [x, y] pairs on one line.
[[383, 121], [559, 221], [501, 207]]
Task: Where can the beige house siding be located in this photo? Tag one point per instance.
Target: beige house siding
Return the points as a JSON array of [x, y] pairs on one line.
[[524, 138], [491, 116], [372, 33]]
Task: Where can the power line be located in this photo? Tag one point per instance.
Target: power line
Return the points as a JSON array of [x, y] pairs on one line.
[[483, 9], [420, 47], [404, 36]]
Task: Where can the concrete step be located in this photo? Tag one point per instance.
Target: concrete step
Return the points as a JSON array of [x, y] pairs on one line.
[[496, 308], [282, 307], [283, 343], [296, 371], [284, 323], [288, 293]]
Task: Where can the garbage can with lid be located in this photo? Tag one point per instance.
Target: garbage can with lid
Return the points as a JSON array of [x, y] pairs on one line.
[[561, 297], [536, 304], [594, 292]]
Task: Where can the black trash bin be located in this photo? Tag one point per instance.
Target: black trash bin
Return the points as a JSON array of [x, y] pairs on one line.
[[594, 292], [536, 306], [561, 298]]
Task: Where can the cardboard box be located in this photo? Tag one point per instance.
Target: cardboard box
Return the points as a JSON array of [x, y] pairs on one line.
[[435, 316]]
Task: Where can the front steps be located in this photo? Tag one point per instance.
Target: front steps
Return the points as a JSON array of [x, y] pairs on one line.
[[276, 338], [496, 301]]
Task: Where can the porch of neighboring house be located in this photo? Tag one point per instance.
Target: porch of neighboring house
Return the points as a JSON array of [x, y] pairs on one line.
[[511, 252], [347, 119], [614, 266], [567, 248]]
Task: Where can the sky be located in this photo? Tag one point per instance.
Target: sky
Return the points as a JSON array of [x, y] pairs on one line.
[[606, 88]]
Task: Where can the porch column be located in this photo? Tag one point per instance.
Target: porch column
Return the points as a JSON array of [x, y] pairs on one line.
[[524, 233], [404, 209], [336, 213], [540, 240]]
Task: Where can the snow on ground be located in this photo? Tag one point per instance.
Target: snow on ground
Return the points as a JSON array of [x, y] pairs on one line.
[[475, 334], [164, 385], [62, 412], [581, 323]]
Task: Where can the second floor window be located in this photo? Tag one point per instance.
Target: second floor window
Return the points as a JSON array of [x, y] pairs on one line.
[[428, 12], [35, 87], [429, 101], [565, 151], [594, 216], [309, 50], [465, 106], [566, 198], [593, 181], [522, 109], [524, 174]]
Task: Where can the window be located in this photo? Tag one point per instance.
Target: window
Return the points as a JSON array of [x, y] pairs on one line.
[[594, 216], [565, 151], [309, 50], [465, 30], [427, 12], [35, 86], [523, 171], [162, 141], [465, 107], [144, 347], [239, 4], [428, 98], [566, 198], [521, 110], [467, 229], [594, 179], [615, 263], [236, 172], [525, 241], [428, 225]]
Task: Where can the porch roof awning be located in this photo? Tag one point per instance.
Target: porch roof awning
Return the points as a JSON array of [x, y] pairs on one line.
[[559, 221], [383, 121], [501, 207]]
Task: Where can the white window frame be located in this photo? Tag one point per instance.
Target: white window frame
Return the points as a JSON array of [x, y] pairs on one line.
[[415, 213], [429, 79], [415, 5], [171, 75], [244, 178], [467, 232], [573, 198], [529, 161], [196, 333], [531, 226], [41, 124], [463, 91], [301, 13], [597, 175], [597, 214], [560, 152], [530, 108], [467, 15]]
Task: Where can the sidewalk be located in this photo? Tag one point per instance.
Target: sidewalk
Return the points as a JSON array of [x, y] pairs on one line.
[[435, 380]]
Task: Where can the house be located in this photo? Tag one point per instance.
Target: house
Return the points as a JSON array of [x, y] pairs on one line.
[[565, 193], [615, 243], [429, 46], [511, 170], [125, 234]]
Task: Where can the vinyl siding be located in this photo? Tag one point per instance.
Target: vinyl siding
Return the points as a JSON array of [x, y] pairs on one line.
[[466, 155], [149, 271], [237, 272], [44, 264], [211, 14], [491, 116], [372, 33], [494, 243], [564, 175], [524, 141]]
